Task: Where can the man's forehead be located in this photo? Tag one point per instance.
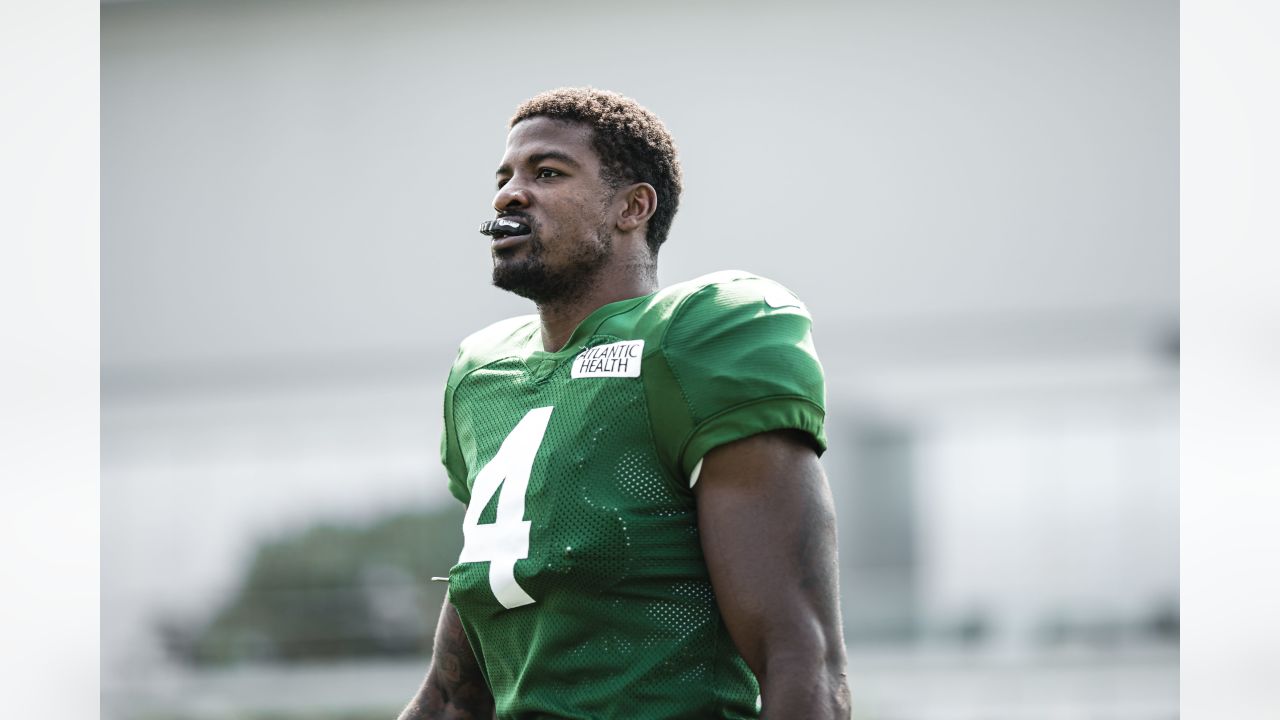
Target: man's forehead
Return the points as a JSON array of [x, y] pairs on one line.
[[542, 134]]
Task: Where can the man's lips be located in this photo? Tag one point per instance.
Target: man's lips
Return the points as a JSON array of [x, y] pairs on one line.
[[506, 242]]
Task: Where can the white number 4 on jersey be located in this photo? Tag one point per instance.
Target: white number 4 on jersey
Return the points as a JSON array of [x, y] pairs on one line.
[[505, 540]]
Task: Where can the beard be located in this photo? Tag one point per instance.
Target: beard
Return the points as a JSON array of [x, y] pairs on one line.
[[533, 278]]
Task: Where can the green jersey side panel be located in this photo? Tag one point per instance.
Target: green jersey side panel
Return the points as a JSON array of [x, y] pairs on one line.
[[582, 586]]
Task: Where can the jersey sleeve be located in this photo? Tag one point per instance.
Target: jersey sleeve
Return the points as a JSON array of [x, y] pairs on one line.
[[450, 451], [741, 352], [474, 352]]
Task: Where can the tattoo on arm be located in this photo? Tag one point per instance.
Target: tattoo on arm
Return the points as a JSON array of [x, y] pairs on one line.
[[455, 688]]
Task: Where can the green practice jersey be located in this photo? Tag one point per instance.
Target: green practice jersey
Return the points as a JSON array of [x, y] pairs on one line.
[[582, 585]]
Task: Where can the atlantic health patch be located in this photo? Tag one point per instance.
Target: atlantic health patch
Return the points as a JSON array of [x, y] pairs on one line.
[[620, 359]]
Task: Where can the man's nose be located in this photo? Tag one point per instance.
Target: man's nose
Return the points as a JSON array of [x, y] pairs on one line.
[[511, 196]]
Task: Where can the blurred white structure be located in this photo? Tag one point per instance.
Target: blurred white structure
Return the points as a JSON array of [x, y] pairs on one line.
[[978, 201]]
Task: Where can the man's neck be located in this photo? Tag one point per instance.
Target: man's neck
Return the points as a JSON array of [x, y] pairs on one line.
[[559, 320]]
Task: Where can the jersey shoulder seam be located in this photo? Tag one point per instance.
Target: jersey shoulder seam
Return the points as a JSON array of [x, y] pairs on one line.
[[488, 346]]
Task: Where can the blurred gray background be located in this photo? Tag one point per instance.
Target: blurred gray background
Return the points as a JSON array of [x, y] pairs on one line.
[[978, 201]]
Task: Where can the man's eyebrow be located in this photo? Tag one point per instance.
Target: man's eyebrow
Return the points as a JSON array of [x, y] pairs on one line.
[[537, 158]]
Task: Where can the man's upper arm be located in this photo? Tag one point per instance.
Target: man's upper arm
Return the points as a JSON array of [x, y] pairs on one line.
[[768, 532]]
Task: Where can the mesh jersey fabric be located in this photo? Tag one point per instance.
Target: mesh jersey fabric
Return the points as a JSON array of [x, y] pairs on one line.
[[614, 612]]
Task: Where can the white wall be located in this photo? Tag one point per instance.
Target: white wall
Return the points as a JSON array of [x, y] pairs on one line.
[[299, 181]]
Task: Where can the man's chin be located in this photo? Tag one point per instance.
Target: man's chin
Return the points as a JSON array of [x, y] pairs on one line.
[[519, 276], [526, 274]]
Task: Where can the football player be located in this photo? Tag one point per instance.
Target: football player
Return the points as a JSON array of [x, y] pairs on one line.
[[648, 530]]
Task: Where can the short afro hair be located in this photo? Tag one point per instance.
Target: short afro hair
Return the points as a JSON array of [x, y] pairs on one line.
[[633, 145]]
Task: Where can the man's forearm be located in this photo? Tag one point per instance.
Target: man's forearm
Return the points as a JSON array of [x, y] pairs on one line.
[[454, 688], [434, 703], [793, 688]]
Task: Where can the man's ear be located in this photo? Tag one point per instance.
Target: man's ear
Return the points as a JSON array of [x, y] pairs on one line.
[[641, 202]]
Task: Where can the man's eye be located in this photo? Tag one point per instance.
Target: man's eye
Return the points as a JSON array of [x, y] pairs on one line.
[[548, 173], [501, 182]]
